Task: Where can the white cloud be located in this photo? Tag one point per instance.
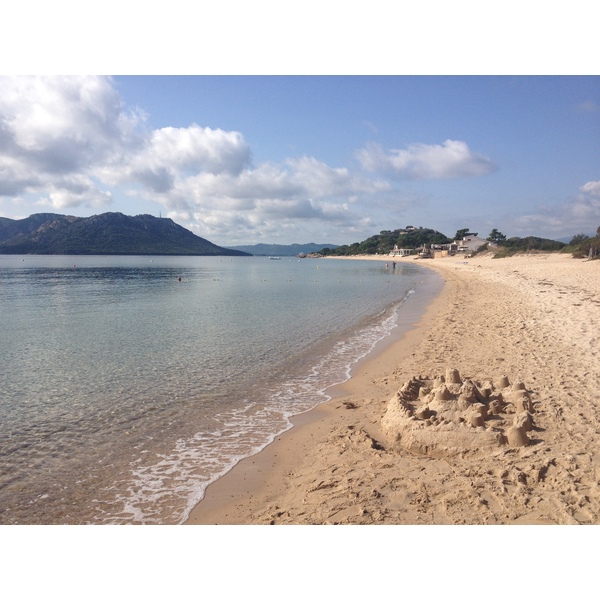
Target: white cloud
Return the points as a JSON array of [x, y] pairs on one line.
[[579, 215], [450, 160], [591, 188], [56, 127], [199, 149], [171, 154], [75, 190], [586, 207], [62, 199], [62, 124], [277, 221], [320, 180], [271, 198], [55, 131], [304, 188]]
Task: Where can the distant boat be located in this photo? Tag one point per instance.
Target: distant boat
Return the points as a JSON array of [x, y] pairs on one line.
[[274, 257]]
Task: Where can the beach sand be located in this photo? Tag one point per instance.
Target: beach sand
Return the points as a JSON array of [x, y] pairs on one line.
[[514, 441]]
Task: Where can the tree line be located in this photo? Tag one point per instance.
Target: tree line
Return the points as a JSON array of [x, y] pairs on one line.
[[385, 241], [580, 246]]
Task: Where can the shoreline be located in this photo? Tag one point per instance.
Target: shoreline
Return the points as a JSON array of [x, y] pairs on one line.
[[532, 319], [226, 499]]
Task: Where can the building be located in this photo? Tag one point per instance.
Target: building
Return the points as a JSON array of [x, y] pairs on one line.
[[401, 251], [470, 243]]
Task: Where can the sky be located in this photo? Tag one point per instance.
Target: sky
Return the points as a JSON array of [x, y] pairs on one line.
[[334, 157]]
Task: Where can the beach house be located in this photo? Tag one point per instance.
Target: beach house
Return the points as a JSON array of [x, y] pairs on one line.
[[470, 243]]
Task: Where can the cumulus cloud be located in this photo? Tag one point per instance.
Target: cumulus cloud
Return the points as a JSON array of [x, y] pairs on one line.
[[450, 160], [303, 182], [269, 198], [59, 125], [63, 199], [319, 179], [170, 153], [270, 220], [53, 129], [200, 148]]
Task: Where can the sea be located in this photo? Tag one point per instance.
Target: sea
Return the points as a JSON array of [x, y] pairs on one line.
[[129, 383]]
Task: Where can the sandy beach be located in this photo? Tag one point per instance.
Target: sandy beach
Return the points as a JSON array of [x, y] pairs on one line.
[[487, 412]]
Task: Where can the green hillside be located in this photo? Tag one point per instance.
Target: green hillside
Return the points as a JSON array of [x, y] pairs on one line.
[[384, 242]]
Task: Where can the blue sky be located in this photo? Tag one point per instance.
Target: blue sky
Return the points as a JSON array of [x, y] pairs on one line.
[[293, 158], [282, 159]]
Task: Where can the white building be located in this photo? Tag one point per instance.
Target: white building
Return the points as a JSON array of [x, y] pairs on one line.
[[471, 242]]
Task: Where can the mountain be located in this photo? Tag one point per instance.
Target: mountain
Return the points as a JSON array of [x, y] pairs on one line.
[[108, 233], [282, 250]]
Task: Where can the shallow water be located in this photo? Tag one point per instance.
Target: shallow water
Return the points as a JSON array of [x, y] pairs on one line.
[[128, 384]]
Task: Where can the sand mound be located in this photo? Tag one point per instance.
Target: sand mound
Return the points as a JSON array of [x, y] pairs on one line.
[[448, 416]]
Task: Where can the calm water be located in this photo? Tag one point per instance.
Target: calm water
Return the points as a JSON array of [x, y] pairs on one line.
[[128, 384]]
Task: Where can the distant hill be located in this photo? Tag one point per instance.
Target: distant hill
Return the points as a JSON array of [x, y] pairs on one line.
[[282, 250], [108, 233], [384, 242], [567, 239]]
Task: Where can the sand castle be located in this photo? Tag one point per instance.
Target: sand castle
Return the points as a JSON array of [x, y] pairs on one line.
[[449, 416]]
